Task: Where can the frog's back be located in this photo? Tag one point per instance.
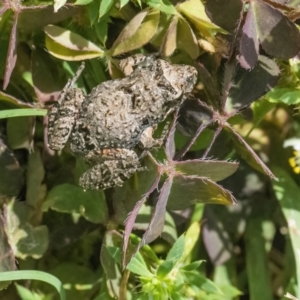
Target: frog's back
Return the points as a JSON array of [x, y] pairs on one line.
[[106, 119]]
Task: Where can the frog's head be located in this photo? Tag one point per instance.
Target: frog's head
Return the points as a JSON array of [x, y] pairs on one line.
[[182, 77]]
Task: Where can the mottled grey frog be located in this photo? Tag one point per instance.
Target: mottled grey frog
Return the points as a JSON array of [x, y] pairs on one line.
[[118, 115]]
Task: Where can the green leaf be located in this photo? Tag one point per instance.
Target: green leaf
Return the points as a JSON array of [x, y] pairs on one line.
[[137, 265], [25, 239], [105, 6], [137, 32], [163, 5], [46, 78], [34, 275], [130, 193], [67, 45], [231, 9], [191, 238], [69, 198], [123, 3], [177, 250], [11, 99], [260, 109], [284, 95], [22, 112], [287, 193], [78, 280], [109, 257], [93, 11], [26, 294], [169, 43], [247, 153], [115, 253], [36, 192], [194, 10], [83, 2], [144, 216], [193, 266], [259, 279], [36, 17], [203, 283], [19, 132], [101, 29], [165, 268], [186, 191], [213, 169], [187, 39], [201, 142]]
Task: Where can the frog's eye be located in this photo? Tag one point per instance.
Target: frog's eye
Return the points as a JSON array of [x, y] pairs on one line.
[[146, 63]]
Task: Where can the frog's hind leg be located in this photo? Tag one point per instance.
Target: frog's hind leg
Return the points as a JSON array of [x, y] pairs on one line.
[[63, 113], [113, 169]]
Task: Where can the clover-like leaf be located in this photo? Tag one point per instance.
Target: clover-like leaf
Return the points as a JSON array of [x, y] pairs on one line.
[[129, 223], [105, 6], [278, 36], [169, 43], [138, 266], [69, 198], [67, 45], [45, 77], [20, 132], [164, 6], [190, 240], [127, 196], [225, 14], [288, 96], [286, 191], [143, 219], [137, 32], [215, 170], [157, 222], [187, 191], [250, 85], [177, 250], [247, 153], [80, 279], [187, 39], [35, 192], [249, 44], [25, 239], [110, 258], [33, 18], [194, 10], [13, 100], [203, 283], [82, 2]]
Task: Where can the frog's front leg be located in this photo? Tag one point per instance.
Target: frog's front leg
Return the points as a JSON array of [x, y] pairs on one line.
[[63, 113], [113, 168], [148, 142], [62, 117]]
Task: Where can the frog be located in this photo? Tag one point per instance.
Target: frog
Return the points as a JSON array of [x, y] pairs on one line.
[[106, 127]]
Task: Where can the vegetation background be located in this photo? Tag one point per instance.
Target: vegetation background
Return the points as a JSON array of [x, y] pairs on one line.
[[237, 140]]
